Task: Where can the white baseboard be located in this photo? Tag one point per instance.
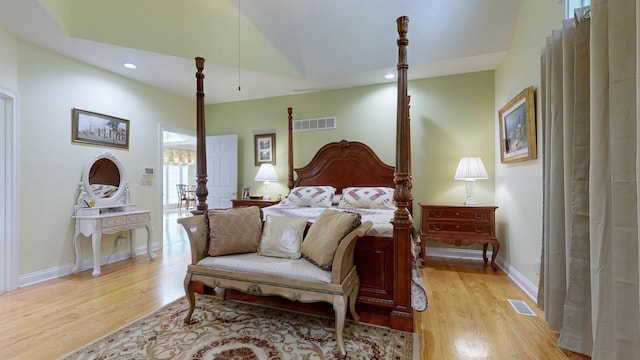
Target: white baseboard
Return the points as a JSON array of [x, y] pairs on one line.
[[60, 271], [460, 253]]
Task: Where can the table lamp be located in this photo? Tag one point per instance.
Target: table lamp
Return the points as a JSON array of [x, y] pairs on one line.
[[266, 173], [470, 169]]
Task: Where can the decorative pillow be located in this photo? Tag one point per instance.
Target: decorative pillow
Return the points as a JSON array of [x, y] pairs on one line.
[[325, 234], [235, 230], [282, 236], [367, 198], [314, 196]]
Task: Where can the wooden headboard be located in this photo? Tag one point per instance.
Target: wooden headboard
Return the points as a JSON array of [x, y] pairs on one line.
[[342, 164]]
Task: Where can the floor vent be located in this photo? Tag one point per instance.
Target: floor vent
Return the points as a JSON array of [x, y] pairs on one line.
[[521, 307], [314, 124]]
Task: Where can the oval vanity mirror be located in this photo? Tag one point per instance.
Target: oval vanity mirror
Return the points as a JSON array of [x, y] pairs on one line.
[[104, 179]]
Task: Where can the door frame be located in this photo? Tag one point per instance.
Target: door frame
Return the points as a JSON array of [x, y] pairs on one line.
[[9, 238]]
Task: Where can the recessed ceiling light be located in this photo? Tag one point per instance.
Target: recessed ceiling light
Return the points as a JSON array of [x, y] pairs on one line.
[[130, 65], [389, 76]]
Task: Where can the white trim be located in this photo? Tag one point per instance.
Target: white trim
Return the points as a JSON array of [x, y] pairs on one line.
[[10, 241], [468, 254], [87, 264], [522, 282]]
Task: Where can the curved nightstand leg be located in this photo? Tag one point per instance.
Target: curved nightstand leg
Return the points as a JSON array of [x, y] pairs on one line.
[[496, 247], [151, 254], [484, 252]]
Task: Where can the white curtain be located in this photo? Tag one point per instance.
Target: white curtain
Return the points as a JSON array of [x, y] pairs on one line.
[[589, 285], [173, 156]]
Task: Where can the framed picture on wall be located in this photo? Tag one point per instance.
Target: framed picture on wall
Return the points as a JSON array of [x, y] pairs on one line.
[[518, 128], [265, 149], [99, 129]]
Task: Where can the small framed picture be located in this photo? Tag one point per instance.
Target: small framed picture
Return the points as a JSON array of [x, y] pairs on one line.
[[246, 192], [518, 128], [265, 149], [99, 129]]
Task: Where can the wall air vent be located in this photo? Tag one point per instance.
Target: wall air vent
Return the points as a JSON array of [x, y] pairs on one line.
[[314, 124]]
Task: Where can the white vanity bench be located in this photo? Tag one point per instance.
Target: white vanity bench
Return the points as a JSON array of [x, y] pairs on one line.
[[104, 207]]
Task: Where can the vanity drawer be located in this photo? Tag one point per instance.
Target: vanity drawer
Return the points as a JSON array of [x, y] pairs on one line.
[[114, 221], [137, 218]]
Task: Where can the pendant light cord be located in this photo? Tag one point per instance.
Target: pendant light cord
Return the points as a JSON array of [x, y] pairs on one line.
[[238, 45]]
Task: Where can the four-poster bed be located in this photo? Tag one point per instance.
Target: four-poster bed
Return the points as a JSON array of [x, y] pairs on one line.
[[383, 262]]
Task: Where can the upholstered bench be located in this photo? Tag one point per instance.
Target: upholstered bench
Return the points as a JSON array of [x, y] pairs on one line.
[[282, 256]]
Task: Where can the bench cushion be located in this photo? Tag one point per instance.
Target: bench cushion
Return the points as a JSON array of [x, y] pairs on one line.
[[253, 263]]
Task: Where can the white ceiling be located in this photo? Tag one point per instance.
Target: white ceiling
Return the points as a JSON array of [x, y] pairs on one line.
[[282, 46]]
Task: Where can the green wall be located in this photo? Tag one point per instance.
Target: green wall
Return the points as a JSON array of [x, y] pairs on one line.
[[451, 116], [519, 185], [51, 165]]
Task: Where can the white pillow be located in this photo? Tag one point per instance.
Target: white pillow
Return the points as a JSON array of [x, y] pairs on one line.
[[367, 198], [314, 196], [282, 236]]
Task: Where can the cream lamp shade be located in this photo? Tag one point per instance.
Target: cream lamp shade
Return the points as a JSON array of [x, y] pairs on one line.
[[266, 173], [470, 169]]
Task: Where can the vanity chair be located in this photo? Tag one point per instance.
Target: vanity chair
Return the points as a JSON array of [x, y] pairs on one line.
[[104, 207]]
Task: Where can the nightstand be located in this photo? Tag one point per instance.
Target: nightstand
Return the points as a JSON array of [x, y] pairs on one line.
[[253, 202], [460, 225]]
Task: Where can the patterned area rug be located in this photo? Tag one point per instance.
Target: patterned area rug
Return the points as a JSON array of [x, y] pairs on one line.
[[239, 331]]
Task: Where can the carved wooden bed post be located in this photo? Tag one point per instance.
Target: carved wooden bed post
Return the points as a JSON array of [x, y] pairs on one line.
[[201, 148], [402, 314]]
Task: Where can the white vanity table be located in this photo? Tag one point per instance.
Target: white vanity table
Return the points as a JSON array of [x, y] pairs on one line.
[[103, 208]]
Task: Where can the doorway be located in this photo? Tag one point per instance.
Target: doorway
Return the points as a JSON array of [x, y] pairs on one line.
[[174, 240], [9, 213]]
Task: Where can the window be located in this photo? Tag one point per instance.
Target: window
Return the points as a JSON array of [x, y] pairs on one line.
[[571, 5], [174, 174]]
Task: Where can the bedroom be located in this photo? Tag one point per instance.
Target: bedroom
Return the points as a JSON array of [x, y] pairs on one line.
[[42, 104]]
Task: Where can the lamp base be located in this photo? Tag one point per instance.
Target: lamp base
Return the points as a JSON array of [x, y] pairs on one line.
[[469, 187], [266, 188]]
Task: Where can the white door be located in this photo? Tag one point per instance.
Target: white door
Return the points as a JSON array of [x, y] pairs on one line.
[[222, 170]]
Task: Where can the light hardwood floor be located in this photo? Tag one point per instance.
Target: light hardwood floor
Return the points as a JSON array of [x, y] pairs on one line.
[[468, 315]]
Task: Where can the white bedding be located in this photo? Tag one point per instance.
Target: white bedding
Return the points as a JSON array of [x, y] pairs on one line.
[[381, 218]]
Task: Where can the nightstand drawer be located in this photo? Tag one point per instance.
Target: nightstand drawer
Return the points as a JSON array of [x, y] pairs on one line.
[[253, 202], [458, 214], [443, 227]]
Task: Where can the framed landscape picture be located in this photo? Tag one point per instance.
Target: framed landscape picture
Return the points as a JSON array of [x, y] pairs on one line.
[[99, 129], [265, 149], [518, 128]]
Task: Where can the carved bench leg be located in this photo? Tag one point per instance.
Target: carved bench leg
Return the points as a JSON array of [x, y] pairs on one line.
[[191, 298], [353, 295], [340, 308]]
